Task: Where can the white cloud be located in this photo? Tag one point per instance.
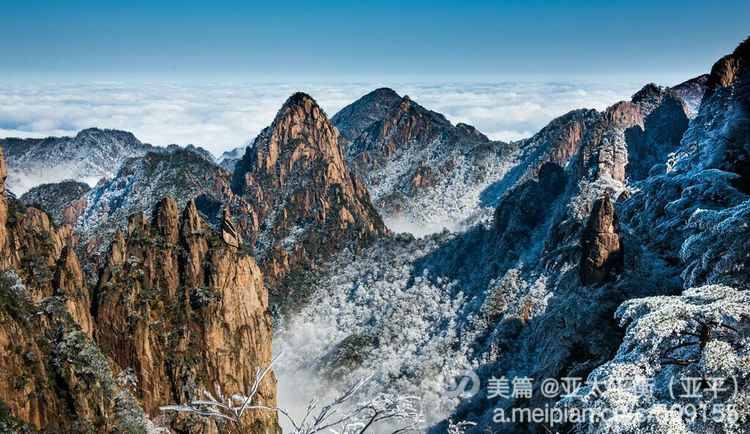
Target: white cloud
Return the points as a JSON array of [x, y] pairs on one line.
[[223, 116]]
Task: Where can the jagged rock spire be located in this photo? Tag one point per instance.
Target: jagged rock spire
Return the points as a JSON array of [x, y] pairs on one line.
[[602, 255], [186, 314], [299, 186], [228, 231], [166, 220]]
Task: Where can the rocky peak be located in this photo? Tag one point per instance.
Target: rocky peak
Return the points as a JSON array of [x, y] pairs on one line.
[[166, 220], [648, 92], [355, 118], [65, 201], [191, 223], [185, 311], [412, 159], [406, 127], [301, 133], [726, 70], [471, 131], [300, 188], [602, 255]]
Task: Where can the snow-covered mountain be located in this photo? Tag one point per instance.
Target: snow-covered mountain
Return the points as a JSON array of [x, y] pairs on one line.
[[140, 184], [89, 156], [611, 247], [230, 158], [619, 236], [424, 173]]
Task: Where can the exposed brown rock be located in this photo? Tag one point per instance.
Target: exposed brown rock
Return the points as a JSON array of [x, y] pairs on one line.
[[74, 211], [166, 220], [54, 378], [602, 255], [69, 283], [4, 261], [186, 311], [228, 231], [423, 177], [307, 202]]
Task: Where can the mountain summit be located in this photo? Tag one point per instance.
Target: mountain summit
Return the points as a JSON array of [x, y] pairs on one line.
[[307, 202], [421, 170], [355, 118]]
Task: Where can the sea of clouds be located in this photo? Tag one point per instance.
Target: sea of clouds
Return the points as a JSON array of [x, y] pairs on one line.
[[222, 116]]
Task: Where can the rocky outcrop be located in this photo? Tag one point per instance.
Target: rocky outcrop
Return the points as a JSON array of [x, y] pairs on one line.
[[307, 202], [602, 255], [419, 168], [54, 377], [45, 260], [691, 92], [143, 181], [185, 311], [525, 210], [65, 201], [649, 144], [406, 126]]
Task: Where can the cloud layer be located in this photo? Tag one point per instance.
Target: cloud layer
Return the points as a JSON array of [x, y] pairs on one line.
[[223, 116]]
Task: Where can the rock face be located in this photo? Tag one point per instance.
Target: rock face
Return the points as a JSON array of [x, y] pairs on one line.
[[602, 255], [64, 201], [525, 209], [143, 181], [307, 202], [420, 169], [185, 311], [406, 127], [660, 135], [54, 377], [692, 91], [354, 119], [3, 206]]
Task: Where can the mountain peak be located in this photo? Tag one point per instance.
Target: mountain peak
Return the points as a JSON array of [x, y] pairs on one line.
[[296, 179], [98, 133], [302, 100], [383, 92], [648, 91], [299, 135], [728, 68], [355, 118]]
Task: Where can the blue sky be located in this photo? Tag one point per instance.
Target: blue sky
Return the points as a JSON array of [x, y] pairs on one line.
[[286, 40]]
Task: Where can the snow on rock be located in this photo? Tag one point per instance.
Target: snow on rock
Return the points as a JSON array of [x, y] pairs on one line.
[[701, 334]]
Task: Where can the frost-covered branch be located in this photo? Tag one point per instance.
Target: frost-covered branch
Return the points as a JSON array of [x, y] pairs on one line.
[[228, 409], [343, 415], [459, 427]]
